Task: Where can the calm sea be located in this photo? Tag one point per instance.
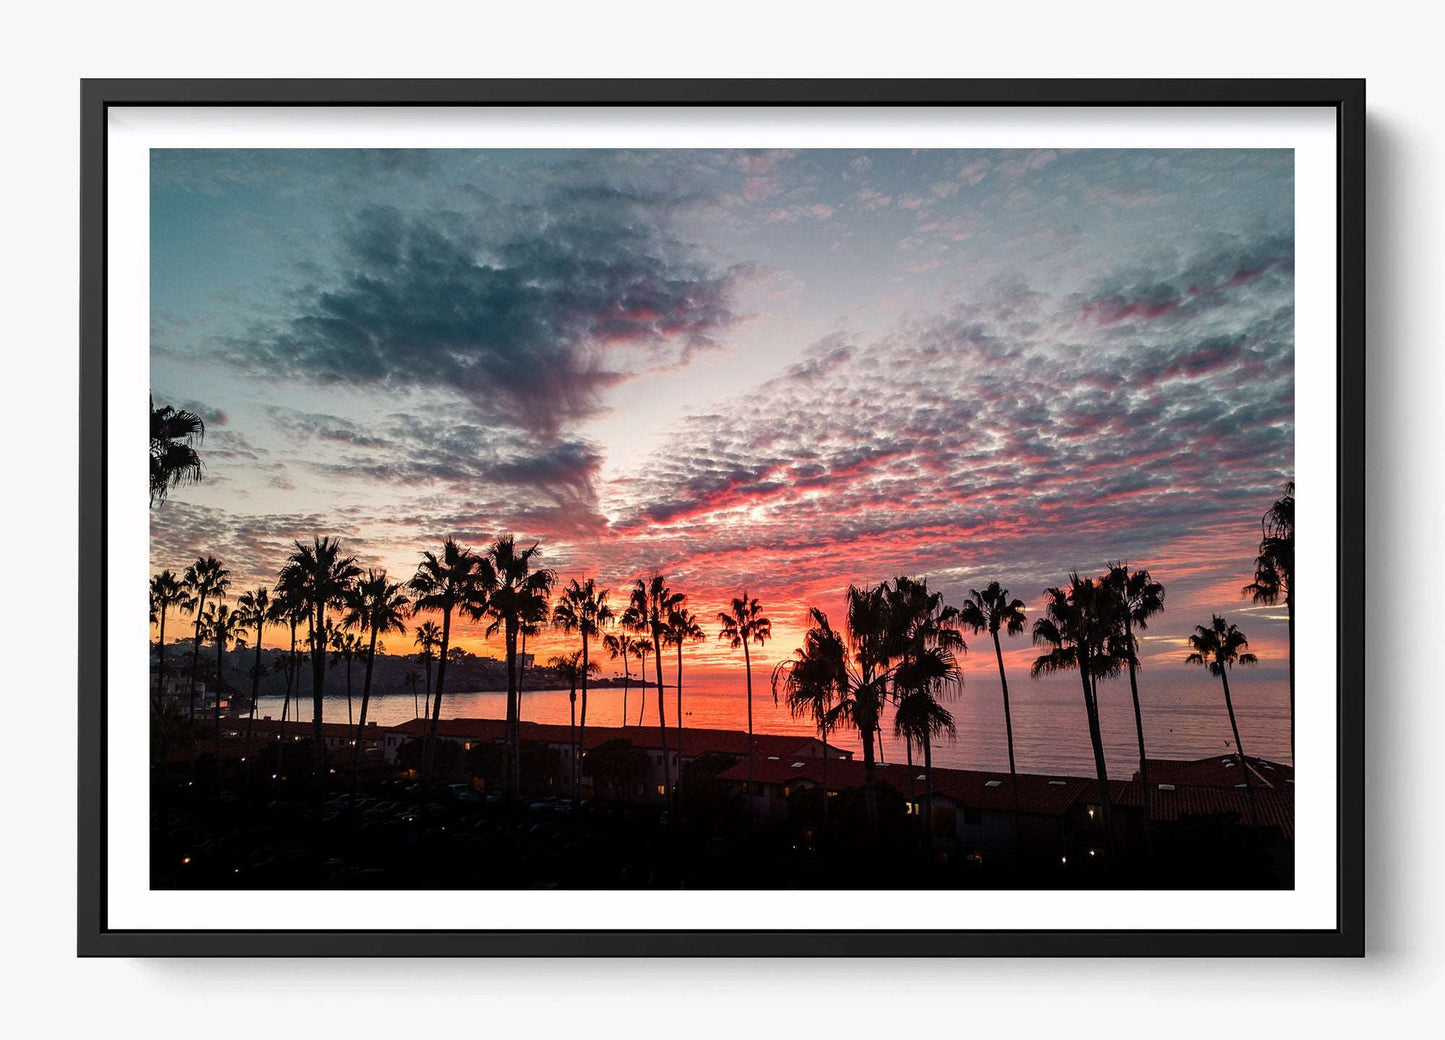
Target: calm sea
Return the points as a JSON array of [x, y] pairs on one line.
[[1184, 717]]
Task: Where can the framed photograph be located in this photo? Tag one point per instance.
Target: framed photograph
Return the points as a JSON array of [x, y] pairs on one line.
[[844, 518]]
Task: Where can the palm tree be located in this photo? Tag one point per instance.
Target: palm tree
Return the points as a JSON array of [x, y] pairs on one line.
[[205, 580], [682, 627], [583, 608], [1136, 598], [640, 649], [428, 638], [444, 584], [919, 720], [994, 610], [255, 609], [227, 628], [1218, 647], [375, 605], [646, 613], [1077, 628], [811, 680], [925, 648], [870, 644], [743, 624], [344, 645], [413, 679], [620, 644], [514, 591], [174, 460], [534, 616], [570, 668], [289, 609], [166, 591], [323, 576], [1274, 575]]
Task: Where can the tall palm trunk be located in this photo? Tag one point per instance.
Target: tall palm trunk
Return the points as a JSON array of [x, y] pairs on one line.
[[318, 692], [642, 678], [1008, 726], [220, 657], [255, 691], [679, 696], [361, 720], [428, 751], [927, 791], [1143, 755], [196, 657], [1096, 738], [582, 728], [748, 670], [667, 785], [1289, 611], [908, 759], [349, 720], [426, 704], [626, 683], [1239, 749], [521, 673], [160, 697], [825, 778], [870, 792], [286, 704], [514, 742], [572, 739]]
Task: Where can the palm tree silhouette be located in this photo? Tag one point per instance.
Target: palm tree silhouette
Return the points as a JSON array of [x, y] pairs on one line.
[[926, 649], [444, 585], [323, 576], [227, 628], [570, 667], [174, 460], [375, 605], [255, 609], [812, 680], [515, 590], [344, 646], [166, 591], [647, 611], [682, 627], [203, 581], [919, 719], [428, 638], [1274, 575], [413, 679], [534, 616], [870, 637], [1076, 626], [1136, 598], [743, 624], [582, 608], [994, 610], [1218, 647], [640, 649], [289, 609], [620, 644]]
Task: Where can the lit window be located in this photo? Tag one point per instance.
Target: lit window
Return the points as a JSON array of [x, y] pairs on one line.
[[661, 789]]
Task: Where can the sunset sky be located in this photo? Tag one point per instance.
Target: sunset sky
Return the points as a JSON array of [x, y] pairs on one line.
[[785, 371]]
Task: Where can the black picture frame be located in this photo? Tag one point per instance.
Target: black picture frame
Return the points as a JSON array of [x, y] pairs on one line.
[[1345, 96]]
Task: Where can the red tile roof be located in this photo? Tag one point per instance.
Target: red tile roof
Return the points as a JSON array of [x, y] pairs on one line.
[[694, 742], [1219, 771], [272, 727], [1038, 793]]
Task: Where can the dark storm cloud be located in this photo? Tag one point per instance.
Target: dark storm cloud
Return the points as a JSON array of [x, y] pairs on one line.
[[412, 449], [528, 325]]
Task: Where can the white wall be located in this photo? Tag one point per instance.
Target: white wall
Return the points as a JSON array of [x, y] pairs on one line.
[[51, 46]]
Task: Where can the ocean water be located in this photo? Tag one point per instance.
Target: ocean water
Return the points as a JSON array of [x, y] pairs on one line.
[[1184, 717]]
